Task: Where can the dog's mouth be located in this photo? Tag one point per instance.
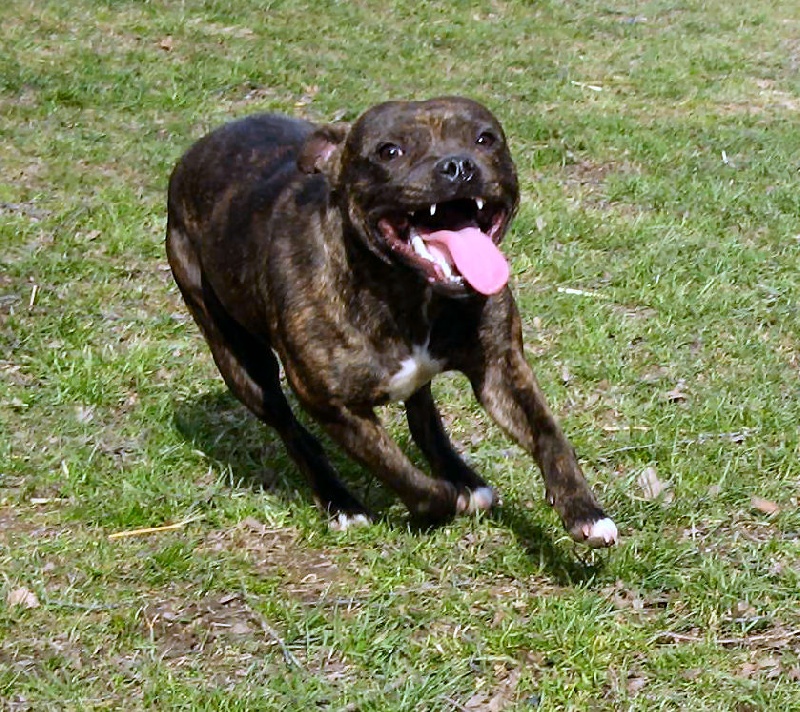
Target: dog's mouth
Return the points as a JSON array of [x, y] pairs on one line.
[[453, 243]]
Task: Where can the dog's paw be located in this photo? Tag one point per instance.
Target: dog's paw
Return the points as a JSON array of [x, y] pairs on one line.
[[436, 506], [598, 534], [480, 499], [347, 520]]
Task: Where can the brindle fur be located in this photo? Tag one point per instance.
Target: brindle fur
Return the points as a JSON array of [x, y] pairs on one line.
[[268, 241]]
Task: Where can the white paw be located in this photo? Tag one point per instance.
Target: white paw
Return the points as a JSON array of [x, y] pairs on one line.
[[602, 533], [342, 521], [482, 498]]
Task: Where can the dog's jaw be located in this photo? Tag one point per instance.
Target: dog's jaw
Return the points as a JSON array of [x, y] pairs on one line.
[[431, 186], [413, 236]]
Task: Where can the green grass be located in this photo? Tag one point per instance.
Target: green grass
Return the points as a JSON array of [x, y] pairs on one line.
[[658, 148]]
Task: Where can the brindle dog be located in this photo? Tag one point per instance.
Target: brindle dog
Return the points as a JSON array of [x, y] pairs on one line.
[[365, 257]]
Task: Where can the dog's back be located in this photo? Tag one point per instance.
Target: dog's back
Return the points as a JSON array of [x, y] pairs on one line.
[[239, 168], [223, 185]]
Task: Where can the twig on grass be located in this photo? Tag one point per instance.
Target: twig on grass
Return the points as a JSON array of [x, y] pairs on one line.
[[581, 293], [456, 705], [27, 209], [627, 448], [626, 428], [155, 530], [733, 437], [725, 642], [288, 655], [584, 85]]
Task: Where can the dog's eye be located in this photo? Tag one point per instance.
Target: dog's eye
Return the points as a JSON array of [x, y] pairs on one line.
[[487, 139], [389, 151]]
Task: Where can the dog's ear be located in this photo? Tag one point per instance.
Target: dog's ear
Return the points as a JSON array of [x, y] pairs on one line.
[[320, 153]]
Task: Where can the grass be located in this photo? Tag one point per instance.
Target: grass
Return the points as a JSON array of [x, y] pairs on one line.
[[655, 258]]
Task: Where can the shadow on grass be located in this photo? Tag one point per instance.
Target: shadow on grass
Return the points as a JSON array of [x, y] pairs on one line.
[[225, 431], [560, 559]]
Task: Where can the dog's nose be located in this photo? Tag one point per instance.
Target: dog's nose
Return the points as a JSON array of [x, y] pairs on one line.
[[457, 169]]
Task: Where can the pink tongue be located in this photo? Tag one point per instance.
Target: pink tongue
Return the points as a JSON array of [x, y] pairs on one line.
[[475, 256]]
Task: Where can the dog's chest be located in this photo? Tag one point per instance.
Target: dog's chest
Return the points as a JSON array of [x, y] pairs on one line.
[[415, 371]]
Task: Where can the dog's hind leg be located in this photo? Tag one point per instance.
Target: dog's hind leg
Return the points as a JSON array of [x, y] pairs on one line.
[[250, 370], [429, 434]]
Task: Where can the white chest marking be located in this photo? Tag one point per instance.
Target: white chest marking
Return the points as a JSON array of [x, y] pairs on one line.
[[415, 371]]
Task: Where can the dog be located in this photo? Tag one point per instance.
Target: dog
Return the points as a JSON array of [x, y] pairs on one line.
[[365, 257]]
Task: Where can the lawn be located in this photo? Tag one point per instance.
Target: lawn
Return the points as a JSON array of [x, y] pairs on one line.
[[656, 262]]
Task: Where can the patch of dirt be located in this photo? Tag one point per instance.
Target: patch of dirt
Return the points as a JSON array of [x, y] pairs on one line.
[[588, 173], [62, 650], [498, 693], [634, 312], [14, 524], [585, 182], [764, 98], [724, 537], [223, 634], [8, 522], [627, 599], [179, 629], [308, 575], [30, 174]]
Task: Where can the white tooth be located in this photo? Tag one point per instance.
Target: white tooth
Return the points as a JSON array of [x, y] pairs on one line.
[[479, 202], [433, 209], [421, 248]]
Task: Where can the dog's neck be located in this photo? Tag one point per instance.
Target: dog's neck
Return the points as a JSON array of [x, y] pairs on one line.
[[393, 289]]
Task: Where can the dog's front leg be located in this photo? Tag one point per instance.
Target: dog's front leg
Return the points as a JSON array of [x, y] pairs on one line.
[[429, 434], [366, 441], [505, 385]]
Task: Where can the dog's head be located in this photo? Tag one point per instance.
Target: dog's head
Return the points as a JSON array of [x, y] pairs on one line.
[[430, 184]]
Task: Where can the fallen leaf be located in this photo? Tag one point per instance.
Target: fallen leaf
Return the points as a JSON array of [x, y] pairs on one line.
[[771, 663], [635, 684], [776, 569], [22, 597], [84, 413], [677, 394], [476, 702], [748, 670], [241, 629], [764, 506], [652, 487], [741, 609]]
